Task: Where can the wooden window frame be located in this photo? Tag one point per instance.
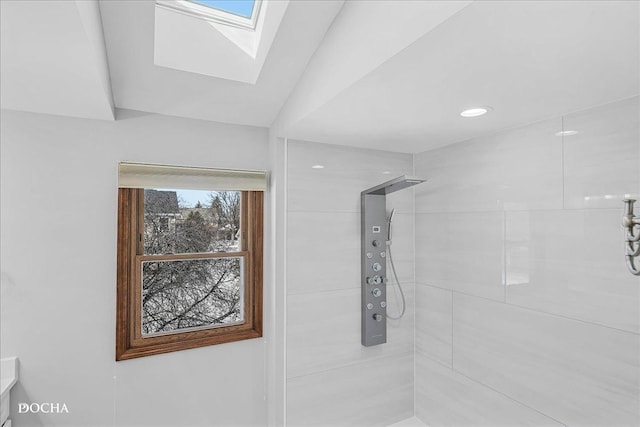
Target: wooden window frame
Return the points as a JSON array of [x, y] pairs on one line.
[[129, 340]]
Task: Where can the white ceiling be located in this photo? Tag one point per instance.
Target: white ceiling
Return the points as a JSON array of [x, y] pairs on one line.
[[139, 84], [527, 60], [391, 75], [48, 66], [362, 37], [52, 59], [214, 49]]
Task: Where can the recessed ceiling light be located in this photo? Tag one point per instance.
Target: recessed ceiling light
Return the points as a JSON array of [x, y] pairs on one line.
[[566, 133], [475, 112], [317, 167], [386, 173]]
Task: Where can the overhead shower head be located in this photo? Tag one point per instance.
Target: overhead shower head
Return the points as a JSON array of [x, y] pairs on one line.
[[399, 183]]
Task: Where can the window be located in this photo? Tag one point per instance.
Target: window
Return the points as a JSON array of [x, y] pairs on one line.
[[189, 258], [237, 7], [235, 13]]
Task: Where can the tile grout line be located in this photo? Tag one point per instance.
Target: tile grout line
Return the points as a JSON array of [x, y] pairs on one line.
[[528, 308], [431, 359], [480, 383], [504, 255], [452, 321], [342, 211], [562, 161], [571, 318], [415, 294], [285, 292], [507, 396], [487, 211], [358, 362]]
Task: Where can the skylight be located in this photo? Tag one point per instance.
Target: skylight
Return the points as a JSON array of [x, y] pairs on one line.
[[235, 13], [192, 37], [242, 8]]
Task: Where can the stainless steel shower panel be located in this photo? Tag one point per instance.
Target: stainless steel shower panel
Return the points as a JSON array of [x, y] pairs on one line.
[[374, 258], [374, 269]]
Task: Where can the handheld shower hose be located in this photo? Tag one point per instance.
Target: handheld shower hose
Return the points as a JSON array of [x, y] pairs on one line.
[[393, 269]]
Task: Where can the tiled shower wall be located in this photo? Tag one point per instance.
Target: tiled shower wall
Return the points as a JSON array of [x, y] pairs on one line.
[[331, 378], [525, 312]]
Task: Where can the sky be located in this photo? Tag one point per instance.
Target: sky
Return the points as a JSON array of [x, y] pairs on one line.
[[237, 7], [191, 197]]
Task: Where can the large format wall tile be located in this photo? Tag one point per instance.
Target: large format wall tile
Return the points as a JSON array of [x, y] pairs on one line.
[[401, 200], [402, 247], [372, 393], [447, 398], [461, 252], [347, 172], [513, 170], [332, 378], [575, 372], [601, 160], [433, 323], [323, 331], [571, 263], [323, 251], [558, 265]]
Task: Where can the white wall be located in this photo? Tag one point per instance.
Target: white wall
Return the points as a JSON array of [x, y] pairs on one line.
[[59, 201], [332, 379], [525, 312], [276, 267]]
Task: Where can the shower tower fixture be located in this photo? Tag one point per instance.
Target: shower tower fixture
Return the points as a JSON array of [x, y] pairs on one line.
[[632, 239], [375, 235]]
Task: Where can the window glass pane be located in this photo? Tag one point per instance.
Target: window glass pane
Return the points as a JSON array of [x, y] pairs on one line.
[[191, 221], [195, 293], [237, 7]]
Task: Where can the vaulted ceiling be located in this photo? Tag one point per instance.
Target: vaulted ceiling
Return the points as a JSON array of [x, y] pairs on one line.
[[46, 44], [386, 74], [527, 60]]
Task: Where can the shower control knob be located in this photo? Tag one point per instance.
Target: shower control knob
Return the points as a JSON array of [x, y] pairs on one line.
[[369, 306], [383, 254], [371, 280], [377, 317], [376, 243], [369, 255], [376, 292], [383, 304], [377, 280], [376, 266]]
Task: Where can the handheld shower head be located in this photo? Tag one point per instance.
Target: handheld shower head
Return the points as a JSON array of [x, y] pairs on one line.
[[389, 219]]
